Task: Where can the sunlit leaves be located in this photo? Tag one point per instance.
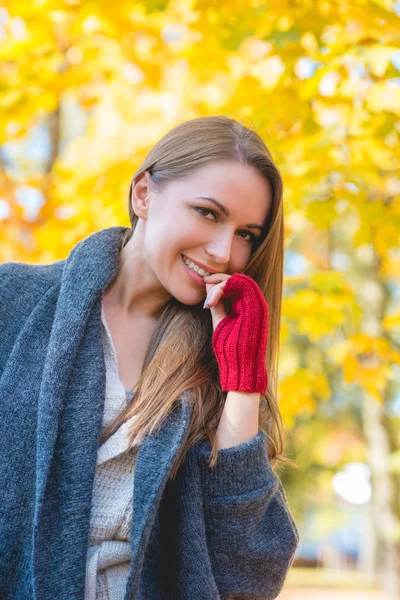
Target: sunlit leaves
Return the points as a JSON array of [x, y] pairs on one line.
[[367, 361], [301, 392], [319, 81]]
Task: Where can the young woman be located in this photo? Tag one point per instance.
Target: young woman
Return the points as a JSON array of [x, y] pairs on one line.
[[138, 413]]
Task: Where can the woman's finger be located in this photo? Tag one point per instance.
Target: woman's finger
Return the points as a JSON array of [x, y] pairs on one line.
[[212, 286], [211, 281], [215, 295], [215, 277], [215, 304]]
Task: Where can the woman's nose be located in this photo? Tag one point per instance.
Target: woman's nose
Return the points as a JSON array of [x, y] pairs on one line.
[[220, 249]]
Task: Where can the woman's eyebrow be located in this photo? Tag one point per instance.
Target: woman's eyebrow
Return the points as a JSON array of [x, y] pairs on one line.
[[226, 211]]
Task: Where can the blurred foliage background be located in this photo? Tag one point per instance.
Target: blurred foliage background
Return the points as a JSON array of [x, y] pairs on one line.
[[86, 89]]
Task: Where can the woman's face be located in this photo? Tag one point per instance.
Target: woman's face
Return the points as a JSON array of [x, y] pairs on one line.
[[179, 223]]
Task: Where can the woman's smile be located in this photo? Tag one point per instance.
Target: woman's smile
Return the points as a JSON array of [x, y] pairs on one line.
[[192, 273]]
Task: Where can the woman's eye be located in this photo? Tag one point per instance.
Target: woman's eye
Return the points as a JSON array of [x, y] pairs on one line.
[[251, 239], [206, 210]]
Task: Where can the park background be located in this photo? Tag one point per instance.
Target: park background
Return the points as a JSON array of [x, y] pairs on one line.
[[87, 88]]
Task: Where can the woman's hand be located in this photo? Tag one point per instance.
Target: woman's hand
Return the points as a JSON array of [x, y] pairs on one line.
[[214, 286], [240, 338]]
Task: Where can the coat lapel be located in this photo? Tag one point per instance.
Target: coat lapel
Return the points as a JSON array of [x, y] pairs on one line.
[[70, 410], [154, 462], [70, 405]]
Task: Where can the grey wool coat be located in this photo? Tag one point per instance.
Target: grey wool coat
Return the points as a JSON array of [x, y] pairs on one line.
[[211, 534]]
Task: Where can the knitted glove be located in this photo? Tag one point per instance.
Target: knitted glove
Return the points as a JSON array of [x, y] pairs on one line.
[[240, 339]]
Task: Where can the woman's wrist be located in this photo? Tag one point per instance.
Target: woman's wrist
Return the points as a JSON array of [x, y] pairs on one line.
[[239, 420]]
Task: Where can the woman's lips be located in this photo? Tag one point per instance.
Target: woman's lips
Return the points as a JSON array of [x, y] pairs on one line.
[[194, 276]]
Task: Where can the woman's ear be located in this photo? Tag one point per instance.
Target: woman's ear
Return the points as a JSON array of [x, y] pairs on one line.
[[139, 195]]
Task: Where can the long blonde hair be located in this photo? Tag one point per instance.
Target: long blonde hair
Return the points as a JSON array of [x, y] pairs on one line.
[[179, 357]]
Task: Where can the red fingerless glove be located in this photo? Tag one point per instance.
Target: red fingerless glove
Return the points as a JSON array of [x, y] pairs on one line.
[[240, 339]]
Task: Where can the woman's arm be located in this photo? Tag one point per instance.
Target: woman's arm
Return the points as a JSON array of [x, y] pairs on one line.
[[239, 420], [251, 536]]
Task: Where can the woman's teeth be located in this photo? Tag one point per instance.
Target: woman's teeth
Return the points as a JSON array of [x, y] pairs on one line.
[[194, 267]]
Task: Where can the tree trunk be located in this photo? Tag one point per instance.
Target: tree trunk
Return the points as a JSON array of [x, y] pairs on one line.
[[386, 526]]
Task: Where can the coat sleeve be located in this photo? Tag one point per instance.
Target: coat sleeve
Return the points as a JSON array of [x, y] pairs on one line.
[[251, 536]]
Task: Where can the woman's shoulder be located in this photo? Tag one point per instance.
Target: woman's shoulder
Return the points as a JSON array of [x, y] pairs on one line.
[[29, 276], [23, 284]]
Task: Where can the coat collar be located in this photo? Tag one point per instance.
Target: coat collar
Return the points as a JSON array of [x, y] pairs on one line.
[[70, 409]]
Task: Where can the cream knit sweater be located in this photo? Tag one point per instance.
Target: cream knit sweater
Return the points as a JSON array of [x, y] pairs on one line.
[[108, 557]]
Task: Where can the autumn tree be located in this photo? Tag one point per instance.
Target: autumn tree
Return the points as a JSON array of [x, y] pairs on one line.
[[87, 88]]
